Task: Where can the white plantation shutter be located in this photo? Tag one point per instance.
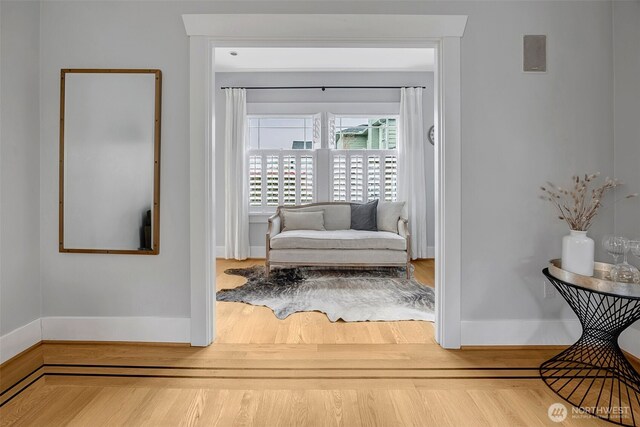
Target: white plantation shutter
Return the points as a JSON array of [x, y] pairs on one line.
[[331, 130], [373, 177], [281, 177], [390, 178], [255, 180], [317, 130], [356, 178], [273, 180], [306, 179], [371, 173], [289, 181], [339, 173]]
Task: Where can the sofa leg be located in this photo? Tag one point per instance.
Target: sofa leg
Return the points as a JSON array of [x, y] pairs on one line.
[[267, 269], [408, 270]]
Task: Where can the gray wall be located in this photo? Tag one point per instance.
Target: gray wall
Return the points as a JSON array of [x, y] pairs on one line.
[[118, 35], [626, 115], [258, 230], [20, 296], [518, 130]]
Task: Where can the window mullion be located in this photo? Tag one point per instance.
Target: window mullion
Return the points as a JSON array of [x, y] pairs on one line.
[[332, 177], [347, 175], [263, 200], [280, 179], [383, 177], [365, 176], [298, 170], [314, 197]]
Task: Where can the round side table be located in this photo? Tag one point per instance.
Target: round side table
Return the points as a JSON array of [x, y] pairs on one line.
[[593, 374]]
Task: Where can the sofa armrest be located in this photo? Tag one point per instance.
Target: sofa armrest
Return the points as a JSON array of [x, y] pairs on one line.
[[403, 230], [273, 229], [274, 226], [403, 227]]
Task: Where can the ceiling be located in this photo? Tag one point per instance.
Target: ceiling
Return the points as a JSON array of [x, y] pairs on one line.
[[323, 59]]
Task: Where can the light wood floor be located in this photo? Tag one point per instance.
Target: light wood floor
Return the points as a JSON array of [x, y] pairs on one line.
[[108, 402], [247, 324], [289, 381]]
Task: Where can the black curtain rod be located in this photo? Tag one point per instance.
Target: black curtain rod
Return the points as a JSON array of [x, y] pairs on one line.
[[319, 87]]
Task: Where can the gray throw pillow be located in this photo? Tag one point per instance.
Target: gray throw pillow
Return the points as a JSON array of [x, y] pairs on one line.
[[303, 220], [364, 216], [388, 215]]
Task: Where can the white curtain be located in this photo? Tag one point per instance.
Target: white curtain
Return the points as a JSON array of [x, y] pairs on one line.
[[236, 198], [412, 178]]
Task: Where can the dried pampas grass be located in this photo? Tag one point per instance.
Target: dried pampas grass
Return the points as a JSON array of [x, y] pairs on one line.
[[579, 205]]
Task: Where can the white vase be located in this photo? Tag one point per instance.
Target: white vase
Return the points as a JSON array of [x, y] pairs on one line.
[[578, 253]]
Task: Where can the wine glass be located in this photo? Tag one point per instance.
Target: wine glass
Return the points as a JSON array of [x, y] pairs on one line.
[[634, 246], [614, 246], [625, 272]]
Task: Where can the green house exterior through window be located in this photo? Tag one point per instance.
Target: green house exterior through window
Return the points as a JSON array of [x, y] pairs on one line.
[[375, 134]]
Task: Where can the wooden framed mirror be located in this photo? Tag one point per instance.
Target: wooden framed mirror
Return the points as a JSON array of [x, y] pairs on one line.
[[110, 161]]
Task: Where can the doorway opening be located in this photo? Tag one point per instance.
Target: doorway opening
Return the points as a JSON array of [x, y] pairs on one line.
[[323, 125], [442, 33]]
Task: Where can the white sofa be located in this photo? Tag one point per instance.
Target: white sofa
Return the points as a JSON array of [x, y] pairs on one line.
[[338, 245]]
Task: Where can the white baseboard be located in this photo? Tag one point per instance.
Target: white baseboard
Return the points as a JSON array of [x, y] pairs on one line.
[[630, 340], [519, 332], [535, 332], [139, 329], [18, 340], [254, 252], [257, 251], [178, 330], [431, 252]]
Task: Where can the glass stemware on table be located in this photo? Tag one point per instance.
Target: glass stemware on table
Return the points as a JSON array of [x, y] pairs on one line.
[[616, 246]]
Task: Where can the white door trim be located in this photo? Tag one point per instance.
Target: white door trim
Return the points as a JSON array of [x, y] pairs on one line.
[[201, 191], [443, 32]]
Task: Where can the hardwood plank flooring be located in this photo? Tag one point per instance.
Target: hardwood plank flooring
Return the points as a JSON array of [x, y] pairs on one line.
[[243, 323], [308, 373], [104, 402], [18, 367], [90, 384]]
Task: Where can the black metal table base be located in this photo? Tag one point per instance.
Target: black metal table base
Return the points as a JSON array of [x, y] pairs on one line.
[[593, 374]]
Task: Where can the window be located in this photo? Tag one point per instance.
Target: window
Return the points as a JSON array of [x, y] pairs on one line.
[[281, 161], [283, 133], [365, 158], [372, 133], [361, 153]]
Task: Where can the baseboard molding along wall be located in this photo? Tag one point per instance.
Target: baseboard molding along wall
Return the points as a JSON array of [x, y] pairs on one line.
[[139, 329], [178, 330], [254, 252], [20, 339], [534, 332]]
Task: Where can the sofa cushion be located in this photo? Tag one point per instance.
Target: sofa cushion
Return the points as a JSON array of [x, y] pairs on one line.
[[364, 216], [336, 216], [388, 215], [293, 220], [338, 239]]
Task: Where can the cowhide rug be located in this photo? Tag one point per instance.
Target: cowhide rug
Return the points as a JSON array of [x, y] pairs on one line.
[[377, 294]]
